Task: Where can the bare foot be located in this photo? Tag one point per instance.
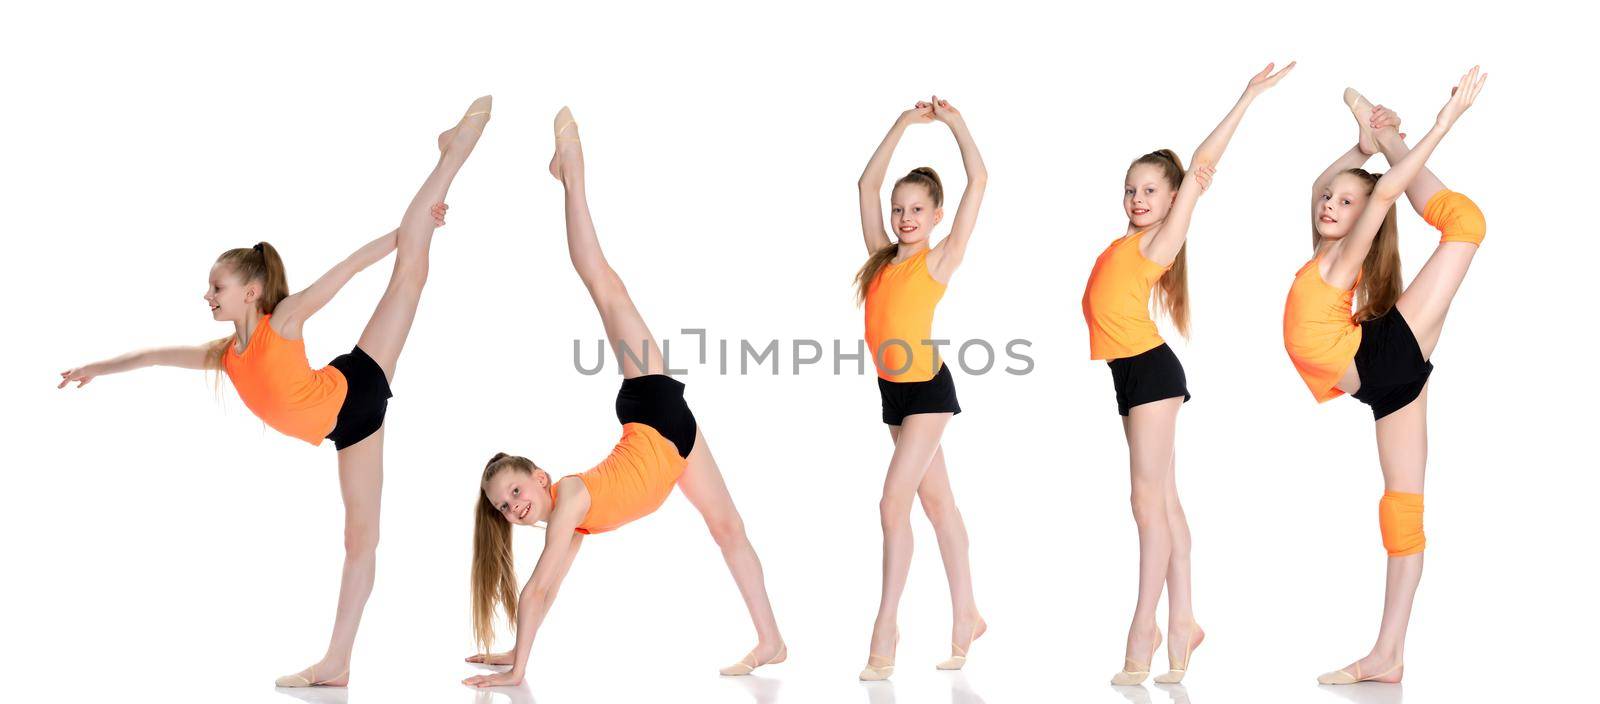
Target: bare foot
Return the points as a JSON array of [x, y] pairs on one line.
[[318, 676], [1363, 111], [466, 132], [568, 148], [506, 658]]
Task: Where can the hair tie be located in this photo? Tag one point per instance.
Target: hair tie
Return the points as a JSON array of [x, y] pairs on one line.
[[257, 248]]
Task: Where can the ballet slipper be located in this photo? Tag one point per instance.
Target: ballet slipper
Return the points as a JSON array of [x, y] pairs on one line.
[[1362, 109], [1178, 668], [563, 124], [884, 666], [1348, 677], [1138, 671], [959, 658], [748, 663], [479, 107], [297, 680]]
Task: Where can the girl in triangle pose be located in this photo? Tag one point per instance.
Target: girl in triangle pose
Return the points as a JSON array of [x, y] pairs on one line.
[[661, 447], [344, 401]]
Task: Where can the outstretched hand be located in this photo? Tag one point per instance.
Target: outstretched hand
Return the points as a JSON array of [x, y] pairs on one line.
[[943, 111], [438, 211], [1260, 82], [1461, 96], [506, 658], [82, 375], [510, 678]]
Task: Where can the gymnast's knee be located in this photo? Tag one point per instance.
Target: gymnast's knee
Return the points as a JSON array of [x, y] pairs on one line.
[[1455, 216], [1400, 520]]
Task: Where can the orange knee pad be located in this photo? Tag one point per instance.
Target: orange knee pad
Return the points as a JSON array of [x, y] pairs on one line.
[[1400, 520], [1456, 216]]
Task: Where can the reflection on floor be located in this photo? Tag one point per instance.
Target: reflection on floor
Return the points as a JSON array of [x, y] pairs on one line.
[[1366, 692], [960, 690]]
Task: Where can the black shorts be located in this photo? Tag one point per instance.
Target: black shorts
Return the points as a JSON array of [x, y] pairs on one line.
[[1390, 364], [1149, 376], [657, 401], [908, 398], [366, 398]]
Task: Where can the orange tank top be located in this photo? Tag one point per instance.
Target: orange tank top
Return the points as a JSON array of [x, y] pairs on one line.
[[279, 386], [632, 482], [1116, 303], [1319, 330], [900, 305]]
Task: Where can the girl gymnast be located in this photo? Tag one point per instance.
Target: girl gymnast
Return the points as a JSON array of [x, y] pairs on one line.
[[1350, 328], [344, 401], [661, 447], [1158, 197], [900, 284]]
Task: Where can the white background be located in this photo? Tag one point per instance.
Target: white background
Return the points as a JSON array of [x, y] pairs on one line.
[[161, 544]]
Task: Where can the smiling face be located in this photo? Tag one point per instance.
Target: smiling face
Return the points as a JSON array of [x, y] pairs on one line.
[[229, 296], [912, 212], [1340, 203], [522, 498], [1147, 195]]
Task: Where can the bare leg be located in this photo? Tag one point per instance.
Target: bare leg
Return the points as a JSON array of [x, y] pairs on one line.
[[939, 503], [1150, 429], [702, 484], [631, 341], [1183, 634], [913, 452], [1403, 453], [1427, 299], [361, 486], [386, 332]]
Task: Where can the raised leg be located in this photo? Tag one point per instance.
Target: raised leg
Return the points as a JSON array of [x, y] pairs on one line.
[[361, 486], [913, 453], [702, 484], [1427, 299], [631, 341], [390, 324]]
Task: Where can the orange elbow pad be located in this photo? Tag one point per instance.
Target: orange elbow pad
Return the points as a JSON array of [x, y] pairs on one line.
[[1400, 520], [1456, 216]]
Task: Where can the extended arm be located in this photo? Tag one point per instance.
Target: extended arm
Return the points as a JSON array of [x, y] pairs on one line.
[[870, 185], [954, 246], [1164, 246], [1394, 182], [292, 312], [560, 547], [186, 357]]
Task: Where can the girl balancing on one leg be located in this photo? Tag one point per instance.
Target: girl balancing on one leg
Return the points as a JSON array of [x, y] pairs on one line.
[[345, 401], [1159, 198], [661, 447], [1380, 352], [900, 284]]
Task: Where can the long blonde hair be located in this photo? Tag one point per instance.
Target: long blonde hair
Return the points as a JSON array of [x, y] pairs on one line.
[[924, 176], [1380, 285], [1172, 291], [494, 577], [259, 263]]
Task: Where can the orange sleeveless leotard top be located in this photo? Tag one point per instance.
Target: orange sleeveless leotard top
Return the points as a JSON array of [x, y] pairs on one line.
[[632, 482], [1319, 330], [900, 303], [278, 385], [1116, 303]]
